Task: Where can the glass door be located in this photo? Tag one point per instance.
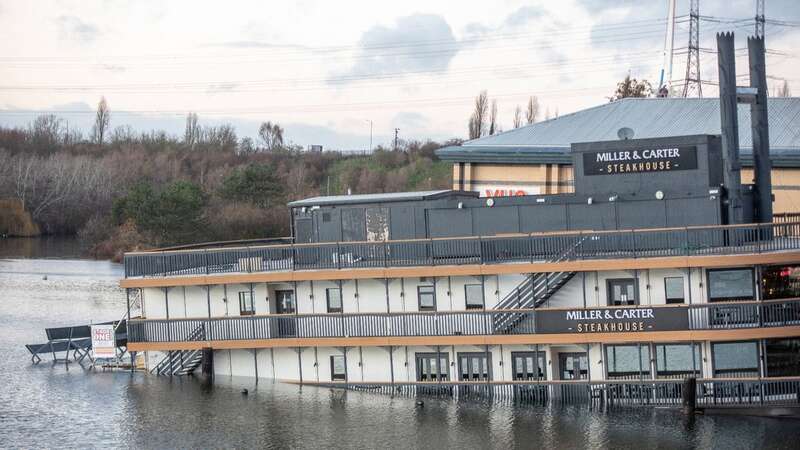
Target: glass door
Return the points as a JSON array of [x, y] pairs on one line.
[[285, 304], [474, 366], [526, 366], [622, 292], [573, 366]]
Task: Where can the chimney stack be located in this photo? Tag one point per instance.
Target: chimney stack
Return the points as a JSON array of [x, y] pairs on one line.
[[760, 130], [729, 121]]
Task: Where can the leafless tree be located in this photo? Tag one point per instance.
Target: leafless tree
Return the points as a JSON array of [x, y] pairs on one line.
[[517, 117], [532, 112], [101, 121], [271, 136], [493, 119], [45, 133], [784, 90], [192, 132], [477, 123]]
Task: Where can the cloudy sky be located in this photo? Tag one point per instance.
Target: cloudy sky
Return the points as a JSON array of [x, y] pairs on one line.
[[325, 69]]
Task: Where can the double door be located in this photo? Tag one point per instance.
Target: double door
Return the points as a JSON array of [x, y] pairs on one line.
[[474, 366], [285, 304], [573, 366]]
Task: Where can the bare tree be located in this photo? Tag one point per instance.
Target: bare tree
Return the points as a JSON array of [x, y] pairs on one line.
[[493, 119], [532, 112], [46, 132], [517, 117], [784, 90], [101, 120], [192, 132], [477, 122], [271, 136]]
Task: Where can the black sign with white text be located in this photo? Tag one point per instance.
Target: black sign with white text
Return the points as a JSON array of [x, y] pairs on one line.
[[612, 320], [645, 160]]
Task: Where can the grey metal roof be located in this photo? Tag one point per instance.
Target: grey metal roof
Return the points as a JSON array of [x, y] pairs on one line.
[[376, 198], [549, 141]]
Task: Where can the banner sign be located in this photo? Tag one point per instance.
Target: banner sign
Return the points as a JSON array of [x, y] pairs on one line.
[[615, 162], [612, 320], [104, 343]]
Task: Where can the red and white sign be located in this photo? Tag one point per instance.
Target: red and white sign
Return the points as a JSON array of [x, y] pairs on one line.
[[104, 343]]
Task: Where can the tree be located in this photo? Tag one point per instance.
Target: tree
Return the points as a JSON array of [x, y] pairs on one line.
[[271, 136], [192, 132], [631, 87], [45, 133], [493, 119], [784, 90], [477, 122], [517, 117], [532, 112], [246, 146], [257, 184], [101, 121]]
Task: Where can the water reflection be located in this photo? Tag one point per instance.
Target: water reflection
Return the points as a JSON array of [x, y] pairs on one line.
[[41, 247], [49, 406]]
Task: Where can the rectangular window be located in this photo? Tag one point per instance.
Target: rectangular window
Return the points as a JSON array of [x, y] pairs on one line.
[[783, 357], [780, 282], [432, 366], [334, 297], [246, 306], [474, 366], [622, 291], [677, 360], [726, 285], [673, 290], [427, 298], [474, 296], [735, 359], [526, 366], [338, 368], [627, 362], [284, 302]]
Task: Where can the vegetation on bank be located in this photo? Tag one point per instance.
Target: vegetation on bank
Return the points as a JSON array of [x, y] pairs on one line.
[[130, 190]]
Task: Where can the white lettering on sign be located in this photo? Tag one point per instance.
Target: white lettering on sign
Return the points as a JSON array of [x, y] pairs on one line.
[[659, 153], [509, 190]]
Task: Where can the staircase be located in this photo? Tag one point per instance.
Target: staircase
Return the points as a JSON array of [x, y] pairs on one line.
[[182, 362], [534, 291]]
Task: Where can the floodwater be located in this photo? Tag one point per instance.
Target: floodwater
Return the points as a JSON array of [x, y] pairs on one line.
[[48, 405]]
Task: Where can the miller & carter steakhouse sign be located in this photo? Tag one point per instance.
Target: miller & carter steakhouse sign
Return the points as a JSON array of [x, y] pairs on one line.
[[640, 160], [612, 320]]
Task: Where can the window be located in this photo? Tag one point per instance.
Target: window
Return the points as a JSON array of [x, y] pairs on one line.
[[474, 296], [779, 282], [427, 298], [338, 368], [783, 357], [284, 302], [622, 292], [432, 366], [573, 366], [627, 362], [246, 306], [526, 366], [730, 284], [673, 290], [677, 360], [475, 366], [326, 217], [334, 297], [735, 359]]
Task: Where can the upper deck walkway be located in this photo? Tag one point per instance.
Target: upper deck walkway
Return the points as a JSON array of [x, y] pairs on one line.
[[538, 252]]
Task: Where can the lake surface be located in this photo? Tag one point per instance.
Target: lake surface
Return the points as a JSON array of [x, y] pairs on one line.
[[48, 405]]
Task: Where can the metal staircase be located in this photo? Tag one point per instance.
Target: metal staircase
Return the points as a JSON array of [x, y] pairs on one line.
[[535, 290], [182, 362]]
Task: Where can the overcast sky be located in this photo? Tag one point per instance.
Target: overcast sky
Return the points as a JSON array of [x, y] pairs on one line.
[[323, 69]]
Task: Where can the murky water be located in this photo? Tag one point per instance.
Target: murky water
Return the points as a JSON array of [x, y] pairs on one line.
[[50, 405]]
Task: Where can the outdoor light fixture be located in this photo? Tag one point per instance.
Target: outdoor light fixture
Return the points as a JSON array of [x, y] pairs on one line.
[[490, 202], [613, 198], [659, 195], [540, 200], [589, 201], [460, 205]]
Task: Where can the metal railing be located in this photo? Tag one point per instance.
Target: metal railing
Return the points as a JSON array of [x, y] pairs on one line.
[[686, 241], [705, 316], [710, 392]]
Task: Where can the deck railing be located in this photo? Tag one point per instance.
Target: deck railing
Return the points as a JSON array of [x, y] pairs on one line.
[[705, 316], [686, 241], [711, 392]]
